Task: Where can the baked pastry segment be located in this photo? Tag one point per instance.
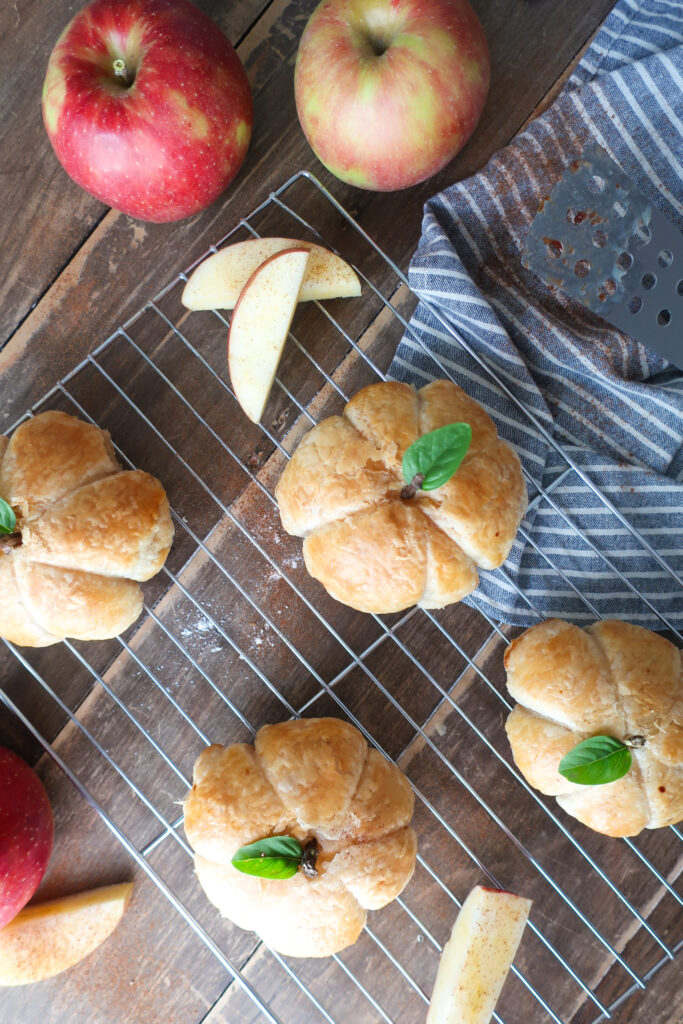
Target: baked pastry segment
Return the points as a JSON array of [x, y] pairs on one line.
[[612, 679], [220, 815], [561, 672], [68, 602], [314, 765], [18, 625], [374, 561], [370, 547], [338, 474], [382, 803], [298, 917], [117, 526], [314, 779], [388, 416], [88, 531], [50, 456]]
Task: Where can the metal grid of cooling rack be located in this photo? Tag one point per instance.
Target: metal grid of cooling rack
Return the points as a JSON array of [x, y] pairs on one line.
[[241, 589]]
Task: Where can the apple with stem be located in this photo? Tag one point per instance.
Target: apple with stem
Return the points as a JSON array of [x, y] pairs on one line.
[[26, 834], [388, 91], [147, 106]]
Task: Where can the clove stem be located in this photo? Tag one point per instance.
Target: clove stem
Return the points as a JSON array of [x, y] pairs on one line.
[[411, 489], [308, 859], [9, 541]]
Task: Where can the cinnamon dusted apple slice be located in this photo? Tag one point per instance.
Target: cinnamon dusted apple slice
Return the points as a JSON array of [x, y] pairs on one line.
[[219, 279], [47, 938], [477, 958], [259, 327]]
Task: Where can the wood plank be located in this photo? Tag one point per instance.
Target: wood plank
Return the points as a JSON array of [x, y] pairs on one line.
[[153, 967], [123, 262]]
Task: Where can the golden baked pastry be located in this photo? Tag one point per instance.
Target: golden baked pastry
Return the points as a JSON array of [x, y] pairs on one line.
[[311, 779], [85, 531], [612, 679], [371, 548]]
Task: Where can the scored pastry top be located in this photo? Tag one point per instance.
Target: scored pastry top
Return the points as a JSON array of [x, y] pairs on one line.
[[374, 549]]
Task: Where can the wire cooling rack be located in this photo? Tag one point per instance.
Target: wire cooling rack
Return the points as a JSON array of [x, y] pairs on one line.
[[235, 634]]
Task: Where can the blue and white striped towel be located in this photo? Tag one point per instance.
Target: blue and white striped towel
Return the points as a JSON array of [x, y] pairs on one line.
[[615, 407]]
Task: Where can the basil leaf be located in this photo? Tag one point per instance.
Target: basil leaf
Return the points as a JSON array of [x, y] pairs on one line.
[[8, 520], [595, 761], [436, 456], [274, 857]]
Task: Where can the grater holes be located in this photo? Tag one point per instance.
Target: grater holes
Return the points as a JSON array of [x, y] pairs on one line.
[[635, 305], [553, 248], [607, 287], [596, 185], [665, 258], [648, 282], [620, 209], [624, 260], [679, 287], [599, 238], [664, 317], [575, 216], [582, 268], [642, 235]]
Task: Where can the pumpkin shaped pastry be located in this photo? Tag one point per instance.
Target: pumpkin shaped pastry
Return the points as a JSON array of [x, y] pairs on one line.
[[315, 781], [611, 680], [85, 532], [381, 546]]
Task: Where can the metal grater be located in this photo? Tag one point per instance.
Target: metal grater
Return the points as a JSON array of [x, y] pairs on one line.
[[598, 239]]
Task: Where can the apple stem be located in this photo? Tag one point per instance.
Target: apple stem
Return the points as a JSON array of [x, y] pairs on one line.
[[411, 489], [9, 541], [121, 71], [308, 859]]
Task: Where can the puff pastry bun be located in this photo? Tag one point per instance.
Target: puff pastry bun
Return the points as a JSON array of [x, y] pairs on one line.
[[87, 530], [380, 553], [611, 679], [314, 778]]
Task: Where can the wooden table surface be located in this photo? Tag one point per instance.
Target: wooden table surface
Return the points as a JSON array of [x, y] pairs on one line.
[[71, 272]]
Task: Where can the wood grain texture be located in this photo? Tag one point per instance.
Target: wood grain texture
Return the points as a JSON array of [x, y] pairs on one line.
[[118, 263], [216, 655]]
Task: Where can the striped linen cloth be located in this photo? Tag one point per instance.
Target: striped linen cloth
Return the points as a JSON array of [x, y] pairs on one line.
[[614, 407]]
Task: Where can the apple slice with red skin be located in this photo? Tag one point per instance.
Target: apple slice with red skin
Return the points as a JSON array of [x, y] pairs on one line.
[[218, 280], [259, 327], [26, 833], [47, 938], [477, 958]]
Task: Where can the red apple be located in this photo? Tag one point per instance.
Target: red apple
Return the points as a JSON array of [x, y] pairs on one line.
[[26, 832], [147, 106], [388, 91]]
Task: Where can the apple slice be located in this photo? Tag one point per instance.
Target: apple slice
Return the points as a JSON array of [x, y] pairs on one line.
[[45, 939], [218, 281], [477, 958], [259, 327]]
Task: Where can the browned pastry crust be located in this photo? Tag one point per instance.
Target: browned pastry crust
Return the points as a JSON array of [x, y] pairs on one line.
[[378, 552], [88, 531], [611, 679], [314, 778]]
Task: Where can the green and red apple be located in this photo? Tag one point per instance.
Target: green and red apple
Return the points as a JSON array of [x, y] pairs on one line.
[[26, 834], [147, 106], [388, 91]]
